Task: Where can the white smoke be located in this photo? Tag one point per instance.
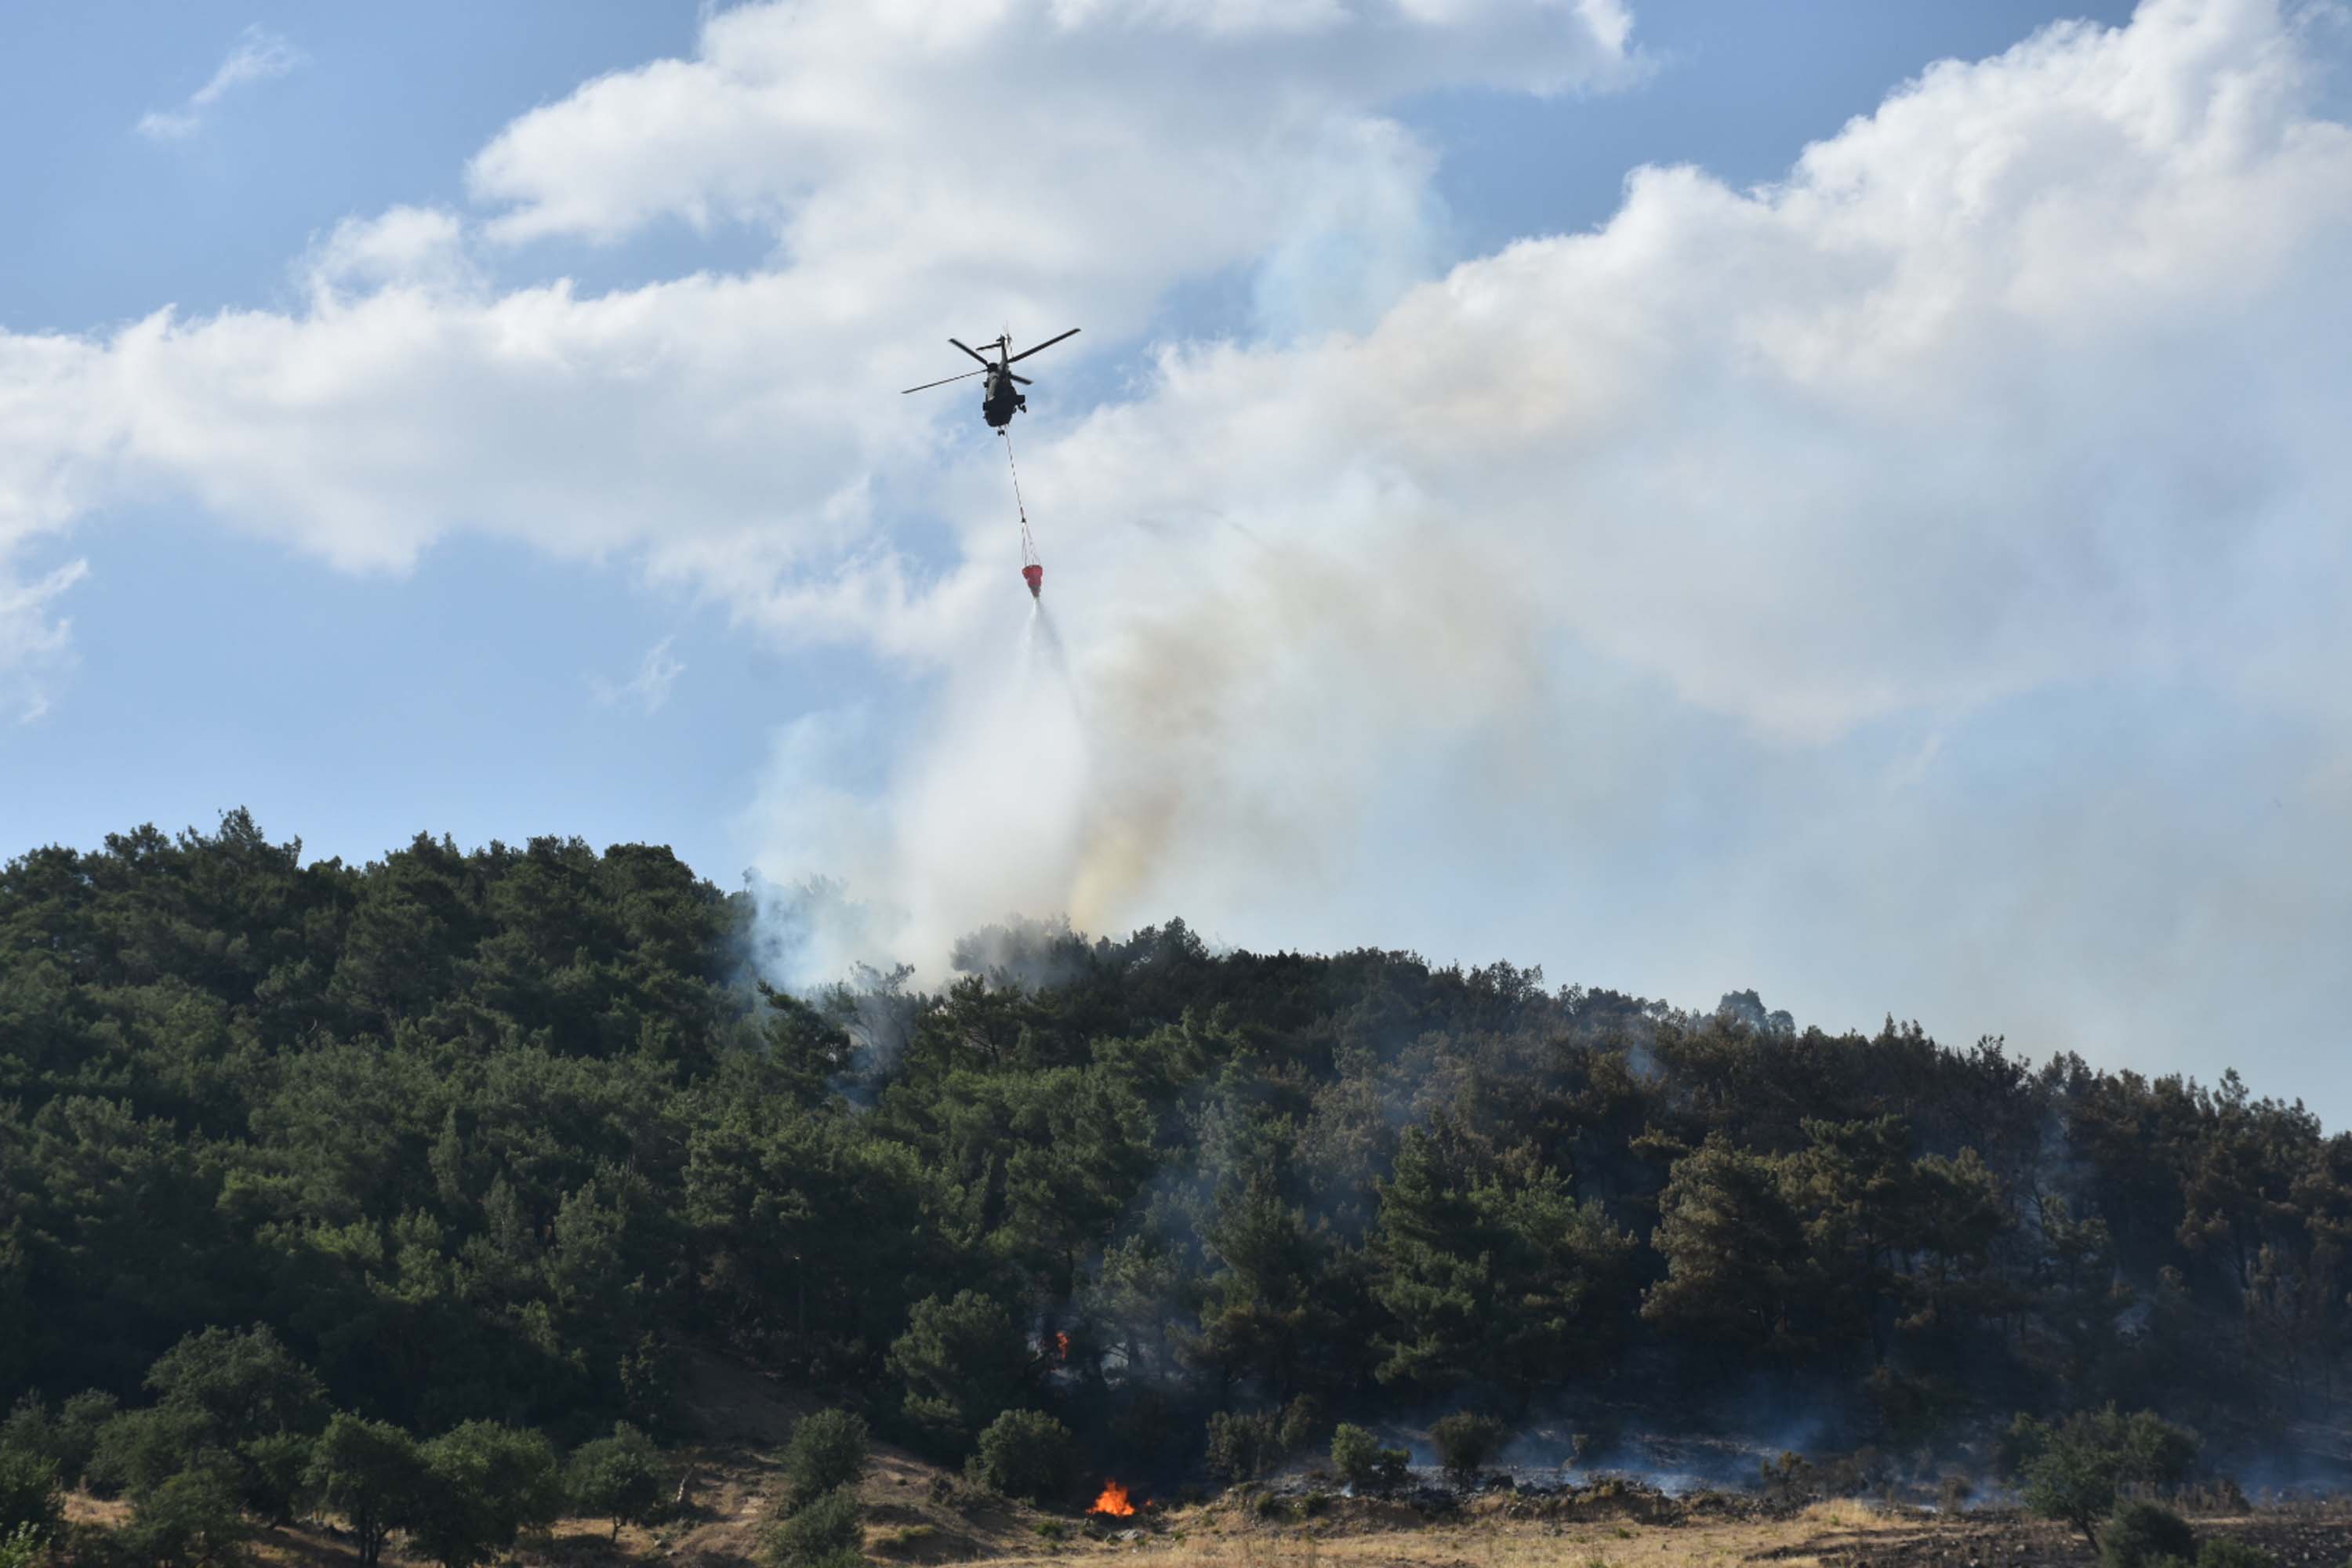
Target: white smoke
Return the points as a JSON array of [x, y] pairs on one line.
[[1793, 583], [981, 819]]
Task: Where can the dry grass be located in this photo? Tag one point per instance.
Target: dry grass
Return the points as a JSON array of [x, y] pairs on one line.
[[909, 1525], [1218, 1537]]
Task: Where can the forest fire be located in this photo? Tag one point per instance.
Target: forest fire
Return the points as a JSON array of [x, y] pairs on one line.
[[1061, 1347], [1113, 1501]]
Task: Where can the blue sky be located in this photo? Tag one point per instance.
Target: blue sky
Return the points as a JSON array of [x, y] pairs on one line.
[[1946, 682]]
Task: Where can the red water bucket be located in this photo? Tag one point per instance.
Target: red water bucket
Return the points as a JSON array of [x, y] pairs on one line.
[[1036, 578]]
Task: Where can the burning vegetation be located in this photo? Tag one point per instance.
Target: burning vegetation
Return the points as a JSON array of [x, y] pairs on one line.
[[1113, 1503]]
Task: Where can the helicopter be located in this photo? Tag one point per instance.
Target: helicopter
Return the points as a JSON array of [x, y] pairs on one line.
[[998, 402]]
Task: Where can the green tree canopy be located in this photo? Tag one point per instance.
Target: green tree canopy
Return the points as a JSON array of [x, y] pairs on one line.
[[961, 1362], [1025, 1454], [484, 1484], [617, 1477], [372, 1473], [827, 1451]]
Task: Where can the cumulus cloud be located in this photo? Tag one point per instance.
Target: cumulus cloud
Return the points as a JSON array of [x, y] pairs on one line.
[[1080, 134], [1051, 161], [728, 430], [1660, 557], [2027, 376], [259, 56], [415, 249]]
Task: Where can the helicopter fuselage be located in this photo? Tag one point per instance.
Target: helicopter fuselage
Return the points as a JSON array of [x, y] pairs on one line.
[[1000, 399]]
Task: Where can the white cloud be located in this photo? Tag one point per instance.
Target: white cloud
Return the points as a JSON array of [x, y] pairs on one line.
[[2028, 384], [649, 688], [33, 641], [1057, 137], [937, 166], [730, 428], [259, 56], [52, 456], [416, 248]]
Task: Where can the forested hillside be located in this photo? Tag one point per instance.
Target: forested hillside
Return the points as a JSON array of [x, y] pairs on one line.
[[494, 1135]]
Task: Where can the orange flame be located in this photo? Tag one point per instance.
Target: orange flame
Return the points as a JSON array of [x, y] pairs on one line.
[[1113, 1500], [1062, 1347]]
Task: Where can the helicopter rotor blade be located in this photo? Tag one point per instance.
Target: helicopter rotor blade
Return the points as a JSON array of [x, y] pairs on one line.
[[928, 385], [969, 350], [1021, 379], [1048, 343]]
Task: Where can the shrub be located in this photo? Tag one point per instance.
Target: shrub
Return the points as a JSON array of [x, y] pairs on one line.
[[75, 1432], [2227, 1552], [369, 1471], [274, 1466], [2071, 1472], [1243, 1447], [1302, 1423], [617, 1477], [82, 1543], [188, 1521], [29, 1493], [1364, 1464], [2141, 1533], [484, 1485], [1791, 1478], [247, 1383], [28, 1429], [1352, 1451], [2142, 1447], [1024, 1454], [1465, 1443], [827, 1451], [2067, 1484], [139, 1450], [961, 1362], [818, 1534], [23, 1547]]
